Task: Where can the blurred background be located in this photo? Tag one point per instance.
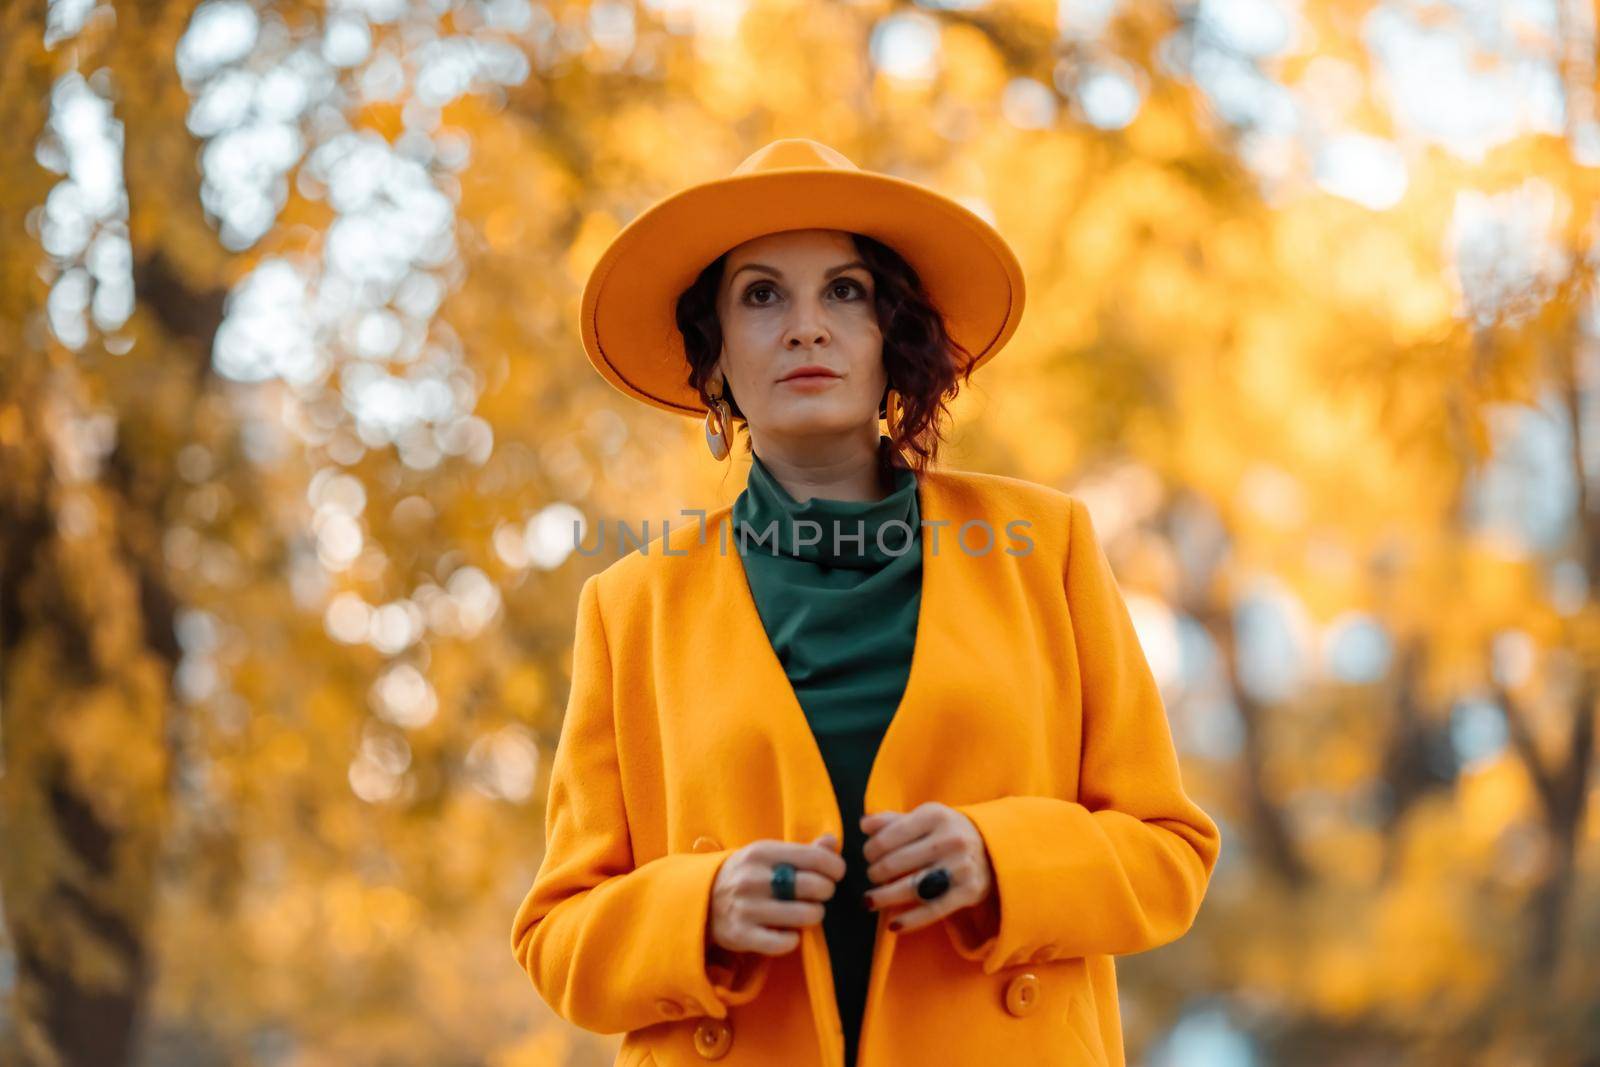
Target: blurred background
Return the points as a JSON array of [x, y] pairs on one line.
[[295, 424]]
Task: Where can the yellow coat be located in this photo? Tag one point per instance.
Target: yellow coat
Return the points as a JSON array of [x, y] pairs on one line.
[[1030, 707]]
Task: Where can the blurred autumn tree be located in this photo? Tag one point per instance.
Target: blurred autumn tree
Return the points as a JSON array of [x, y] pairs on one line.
[[294, 422]]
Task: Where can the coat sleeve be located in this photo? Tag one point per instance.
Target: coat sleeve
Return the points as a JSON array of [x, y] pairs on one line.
[[1124, 867], [602, 939]]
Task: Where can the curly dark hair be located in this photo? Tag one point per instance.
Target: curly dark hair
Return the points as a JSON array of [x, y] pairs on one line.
[[919, 355]]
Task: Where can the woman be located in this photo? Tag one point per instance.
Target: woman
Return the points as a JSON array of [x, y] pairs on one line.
[[869, 701]]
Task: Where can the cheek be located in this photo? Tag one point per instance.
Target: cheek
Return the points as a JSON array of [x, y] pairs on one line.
[[741, 346], [867, 338], [750, 340], [747, 377]]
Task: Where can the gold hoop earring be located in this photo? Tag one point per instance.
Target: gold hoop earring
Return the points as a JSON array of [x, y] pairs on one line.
[[719, 427]]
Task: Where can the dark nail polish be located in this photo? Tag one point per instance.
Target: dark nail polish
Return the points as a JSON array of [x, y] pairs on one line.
[[866, 902], [895, 925]]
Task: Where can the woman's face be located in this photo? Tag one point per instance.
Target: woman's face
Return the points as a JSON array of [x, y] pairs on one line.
[[801, 298]]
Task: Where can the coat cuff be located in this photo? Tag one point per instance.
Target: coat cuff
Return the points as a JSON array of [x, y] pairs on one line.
[[637, 963], [974, 929], [1012, 838], [1080, 883], [722, 979], [736, 977]]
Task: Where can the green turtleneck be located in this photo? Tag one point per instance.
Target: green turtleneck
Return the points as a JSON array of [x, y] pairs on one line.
[[841, 613]]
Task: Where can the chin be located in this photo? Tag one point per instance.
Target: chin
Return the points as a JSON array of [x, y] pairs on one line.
[[817, 423]]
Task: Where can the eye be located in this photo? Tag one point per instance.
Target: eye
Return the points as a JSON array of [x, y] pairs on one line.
[[758, 287], [848, 283]]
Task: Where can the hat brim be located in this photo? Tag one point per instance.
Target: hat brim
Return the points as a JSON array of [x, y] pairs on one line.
[[629, 304]]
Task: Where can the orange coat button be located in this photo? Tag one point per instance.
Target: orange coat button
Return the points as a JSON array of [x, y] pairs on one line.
[[1022, 994], [712, 1038], [670, 1008], [706, 844]]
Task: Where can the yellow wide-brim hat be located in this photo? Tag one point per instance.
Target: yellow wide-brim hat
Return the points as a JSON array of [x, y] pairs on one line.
[[629, 311]]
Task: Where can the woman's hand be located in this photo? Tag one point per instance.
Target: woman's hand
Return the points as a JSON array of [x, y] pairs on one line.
[[746, 917], [900, 847]]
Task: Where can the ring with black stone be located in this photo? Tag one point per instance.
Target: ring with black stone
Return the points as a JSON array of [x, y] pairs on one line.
[[933, 884], [783, 881]]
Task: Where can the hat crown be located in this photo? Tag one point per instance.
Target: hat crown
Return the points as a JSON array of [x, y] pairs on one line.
[[790, 153]]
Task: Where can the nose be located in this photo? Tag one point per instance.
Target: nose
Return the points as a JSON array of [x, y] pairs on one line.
[[807, 326]]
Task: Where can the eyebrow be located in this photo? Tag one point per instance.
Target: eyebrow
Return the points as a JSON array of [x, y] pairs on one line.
[[776, 273]]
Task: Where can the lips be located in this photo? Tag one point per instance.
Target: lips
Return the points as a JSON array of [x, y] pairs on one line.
[[808, 372]]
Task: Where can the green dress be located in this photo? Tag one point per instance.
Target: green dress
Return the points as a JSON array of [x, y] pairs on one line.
[[841, 614]]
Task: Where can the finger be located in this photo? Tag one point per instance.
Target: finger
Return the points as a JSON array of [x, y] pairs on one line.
[[808, 885], [783, 913], [832, 863], [755, 882], [903, 889], [895, 832], [766, 941], [922, 852], [812, 857], [874, 821], [922, 912], [916, 918]]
